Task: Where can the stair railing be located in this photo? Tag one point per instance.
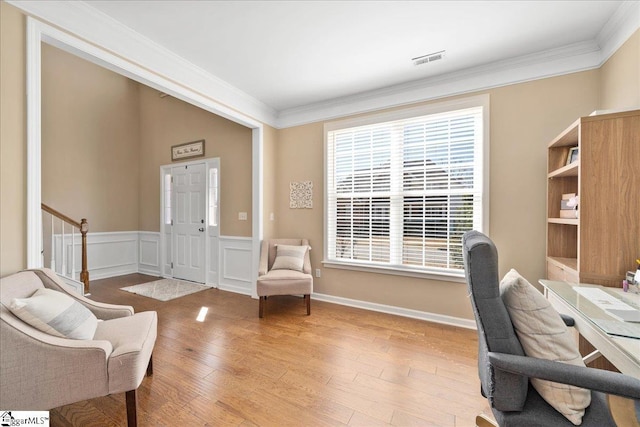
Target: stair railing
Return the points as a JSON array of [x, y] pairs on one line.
[[67, 223]]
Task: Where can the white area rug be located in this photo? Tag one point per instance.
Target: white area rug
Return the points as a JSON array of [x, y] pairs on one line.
[[165, 289]]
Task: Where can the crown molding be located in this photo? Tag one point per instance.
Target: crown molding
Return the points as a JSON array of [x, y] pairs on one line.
[[623, 23], [86, 22], [564, 60]]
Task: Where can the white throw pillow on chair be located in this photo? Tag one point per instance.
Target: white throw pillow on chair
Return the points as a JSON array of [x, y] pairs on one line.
[[56, 313], [289, 257], [544, 335]]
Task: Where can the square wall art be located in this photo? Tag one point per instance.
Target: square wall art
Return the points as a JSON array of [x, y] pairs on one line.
[[301, 195]]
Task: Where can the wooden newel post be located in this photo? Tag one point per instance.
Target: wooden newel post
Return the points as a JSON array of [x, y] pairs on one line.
[[84, 274]]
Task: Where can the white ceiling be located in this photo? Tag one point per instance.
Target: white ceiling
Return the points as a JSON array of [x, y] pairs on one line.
[[291, 54]]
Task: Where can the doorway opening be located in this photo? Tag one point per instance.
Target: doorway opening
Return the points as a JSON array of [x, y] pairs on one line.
[[39, 32]]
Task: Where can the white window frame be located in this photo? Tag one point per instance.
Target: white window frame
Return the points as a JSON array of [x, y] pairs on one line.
[[482, 101]]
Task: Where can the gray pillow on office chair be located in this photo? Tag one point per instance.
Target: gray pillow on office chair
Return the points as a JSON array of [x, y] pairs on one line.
[[543, 334]]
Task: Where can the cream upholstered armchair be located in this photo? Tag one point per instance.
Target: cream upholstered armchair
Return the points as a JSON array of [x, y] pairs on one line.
[[285, 269], [41, 368]]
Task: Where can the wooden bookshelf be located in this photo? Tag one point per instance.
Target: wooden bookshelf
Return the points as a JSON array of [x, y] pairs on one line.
[[602, 244]]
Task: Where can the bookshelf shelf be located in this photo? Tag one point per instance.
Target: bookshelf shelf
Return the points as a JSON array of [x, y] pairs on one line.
[[568, 170], [567, 221]]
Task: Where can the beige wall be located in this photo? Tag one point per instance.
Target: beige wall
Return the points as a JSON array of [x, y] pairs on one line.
[[13, 141], [168, 121], [104, 138], [524, 118], [90, 149], [620, 77]]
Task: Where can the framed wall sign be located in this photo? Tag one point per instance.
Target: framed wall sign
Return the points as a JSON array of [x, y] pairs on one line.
[[187, 150]]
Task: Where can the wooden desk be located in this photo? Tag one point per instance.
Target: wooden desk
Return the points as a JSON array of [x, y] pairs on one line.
[[623, 352]]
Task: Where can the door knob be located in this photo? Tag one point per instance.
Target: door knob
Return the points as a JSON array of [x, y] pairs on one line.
[[200, 229]]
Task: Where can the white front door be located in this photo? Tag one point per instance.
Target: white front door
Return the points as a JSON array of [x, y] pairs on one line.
[[188, 231]]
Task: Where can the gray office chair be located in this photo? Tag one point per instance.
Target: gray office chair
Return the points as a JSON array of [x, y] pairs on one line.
[[504, 369]]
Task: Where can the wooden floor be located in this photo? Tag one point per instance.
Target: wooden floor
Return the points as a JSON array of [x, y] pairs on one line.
[[339, 366]]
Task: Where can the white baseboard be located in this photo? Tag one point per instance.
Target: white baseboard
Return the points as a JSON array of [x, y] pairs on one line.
[[399, 311], [243, 290]]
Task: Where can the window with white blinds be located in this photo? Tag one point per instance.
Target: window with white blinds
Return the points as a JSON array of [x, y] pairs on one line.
[[401, 193]]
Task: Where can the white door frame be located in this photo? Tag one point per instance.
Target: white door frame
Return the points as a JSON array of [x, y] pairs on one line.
[[114, 60], [212, 235]]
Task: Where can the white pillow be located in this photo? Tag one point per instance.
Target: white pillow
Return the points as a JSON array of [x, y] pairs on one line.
[[544, 335], [56, 314], [289, 257]]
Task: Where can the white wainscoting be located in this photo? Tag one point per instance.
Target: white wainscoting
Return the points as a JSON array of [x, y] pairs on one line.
[[112, 254], [125, 252], [109, 254], [149, 253], [236, 265]]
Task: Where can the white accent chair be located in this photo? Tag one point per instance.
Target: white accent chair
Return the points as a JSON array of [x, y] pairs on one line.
[[283, 282], [39, 371]]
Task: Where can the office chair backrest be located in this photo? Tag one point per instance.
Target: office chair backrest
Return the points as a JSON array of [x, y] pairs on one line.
[[505, 391]]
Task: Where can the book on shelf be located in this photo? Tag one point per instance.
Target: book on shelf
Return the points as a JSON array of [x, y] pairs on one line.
[[564, 205], [569, 206], [569, 213]]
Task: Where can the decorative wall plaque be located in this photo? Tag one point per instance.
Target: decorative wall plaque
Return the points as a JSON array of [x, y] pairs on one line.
[[301, 195], [187, 150]]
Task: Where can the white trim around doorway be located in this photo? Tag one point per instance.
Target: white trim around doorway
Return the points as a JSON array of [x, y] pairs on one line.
[[151, 75]]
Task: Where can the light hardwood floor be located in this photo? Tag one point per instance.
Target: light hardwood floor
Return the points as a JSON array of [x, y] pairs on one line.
[[339, 366]]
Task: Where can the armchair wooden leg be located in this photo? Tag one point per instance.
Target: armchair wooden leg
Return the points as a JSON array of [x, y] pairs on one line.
[[150, 366], [263, 303], [307, 299], [132, 417]]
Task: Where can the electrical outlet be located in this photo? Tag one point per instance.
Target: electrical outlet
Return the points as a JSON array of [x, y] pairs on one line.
[[242, 216], [318, 272], [271, 216]]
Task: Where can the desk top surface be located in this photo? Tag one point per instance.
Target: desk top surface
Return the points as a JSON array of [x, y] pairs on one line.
[[625, 335]]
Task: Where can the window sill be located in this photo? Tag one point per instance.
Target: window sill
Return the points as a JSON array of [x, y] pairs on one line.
[[369, 268]]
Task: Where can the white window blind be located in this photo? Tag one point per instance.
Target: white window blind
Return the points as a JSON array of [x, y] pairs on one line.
[[401, 194]]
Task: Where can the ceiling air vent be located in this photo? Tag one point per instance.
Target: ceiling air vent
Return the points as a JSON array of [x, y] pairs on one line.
[[425, 59]]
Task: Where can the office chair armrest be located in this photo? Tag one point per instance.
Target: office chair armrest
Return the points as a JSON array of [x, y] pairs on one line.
[[568, 320], [590, 378]]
